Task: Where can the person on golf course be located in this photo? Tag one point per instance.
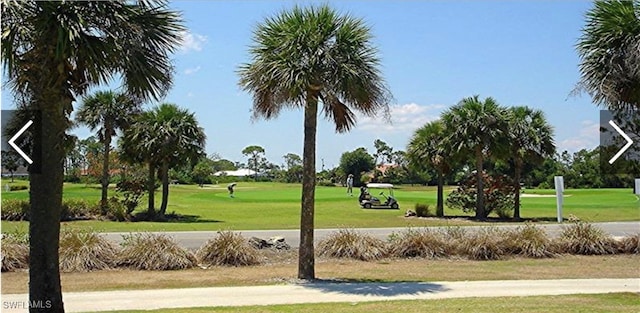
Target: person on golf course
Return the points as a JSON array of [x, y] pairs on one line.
[[350, 184], [230, 188]]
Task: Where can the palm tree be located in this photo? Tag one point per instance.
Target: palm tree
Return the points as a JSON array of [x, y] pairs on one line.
[[609, 54], [107, 112], [53, 52], [428, 147], [305, 56], [480, 133], [530, 140], [164, 137]]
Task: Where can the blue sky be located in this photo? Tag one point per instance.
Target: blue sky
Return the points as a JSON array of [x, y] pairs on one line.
[[434, 53]]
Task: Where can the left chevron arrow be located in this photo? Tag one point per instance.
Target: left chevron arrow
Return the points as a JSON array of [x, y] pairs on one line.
[[13, 144]]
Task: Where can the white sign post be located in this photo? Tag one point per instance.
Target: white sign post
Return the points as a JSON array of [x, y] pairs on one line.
[[559, 184], [637, 189]]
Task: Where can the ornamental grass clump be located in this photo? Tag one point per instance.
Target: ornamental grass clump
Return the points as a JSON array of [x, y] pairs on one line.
[[586, 239], [629, 244], [484, 244], [228, 249], [350, 244], [85, 251], [529, 241], [15, 253], [156, 252], [419, 243]]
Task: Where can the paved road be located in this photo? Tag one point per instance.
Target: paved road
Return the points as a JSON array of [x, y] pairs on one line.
[[195, 239], [323, 292]]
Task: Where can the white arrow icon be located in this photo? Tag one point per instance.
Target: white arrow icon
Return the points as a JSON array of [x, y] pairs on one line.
[[12, 144], [629, 142]]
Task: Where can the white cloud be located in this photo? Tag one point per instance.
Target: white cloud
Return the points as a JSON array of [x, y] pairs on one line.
[[191, 42], [192, 70], [587, 138], [403, 118], [190, 94]]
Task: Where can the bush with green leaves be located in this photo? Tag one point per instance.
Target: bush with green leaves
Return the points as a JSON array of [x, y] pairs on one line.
[[529, 241], [499, 195], [351, 244], [85, 251], [419, 243], [72, 209], [18, 187], [229, 249], [584, 238], [78, 209], [154, 252], [15, 210], [15, 252], [132, 188]]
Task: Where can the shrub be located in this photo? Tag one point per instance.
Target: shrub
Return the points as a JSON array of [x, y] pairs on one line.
[[530, 241], [228, 248], [85, 251], [630, 244], [485, 244], [147, 251], [117, 210], [18, 187], [348, 243], [15, 210], [326, 183], [78, 209], [132, 189], [422, 210], [15, 253], [584, 238], [419, 243], [498, 194], [72, 209]]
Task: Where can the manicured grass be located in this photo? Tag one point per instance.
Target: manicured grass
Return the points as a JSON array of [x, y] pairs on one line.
[[277, 206], [386, 270], [615, 302]]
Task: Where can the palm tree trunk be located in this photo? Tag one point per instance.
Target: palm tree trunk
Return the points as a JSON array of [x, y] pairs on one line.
[[105, 171], [45, 196], [479, 186], [518, 170], [151, 184], [440, 201], [165, 188], [306, 254]]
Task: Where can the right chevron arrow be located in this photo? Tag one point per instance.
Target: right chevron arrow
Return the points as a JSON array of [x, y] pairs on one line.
[[629, 142]]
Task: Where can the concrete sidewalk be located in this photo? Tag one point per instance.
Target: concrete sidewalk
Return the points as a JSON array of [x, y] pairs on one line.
[[319, 292]]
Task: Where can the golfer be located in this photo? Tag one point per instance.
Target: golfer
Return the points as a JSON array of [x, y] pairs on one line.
[[350, 185], [230, 188]]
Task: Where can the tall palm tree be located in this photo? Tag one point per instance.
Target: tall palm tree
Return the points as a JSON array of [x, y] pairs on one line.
[[300, 58], [164, 137], [530, 140], [609, 49], [107, 112], [480, 133], [428, 147], [53, 52]]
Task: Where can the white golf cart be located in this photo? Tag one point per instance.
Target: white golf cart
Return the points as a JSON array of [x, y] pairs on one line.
[[369, 202]]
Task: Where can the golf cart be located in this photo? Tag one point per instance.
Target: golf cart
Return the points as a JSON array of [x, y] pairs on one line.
[[369, 202]]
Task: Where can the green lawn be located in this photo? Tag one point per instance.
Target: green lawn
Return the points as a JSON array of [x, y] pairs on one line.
[[615, 302], [277, 206]]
